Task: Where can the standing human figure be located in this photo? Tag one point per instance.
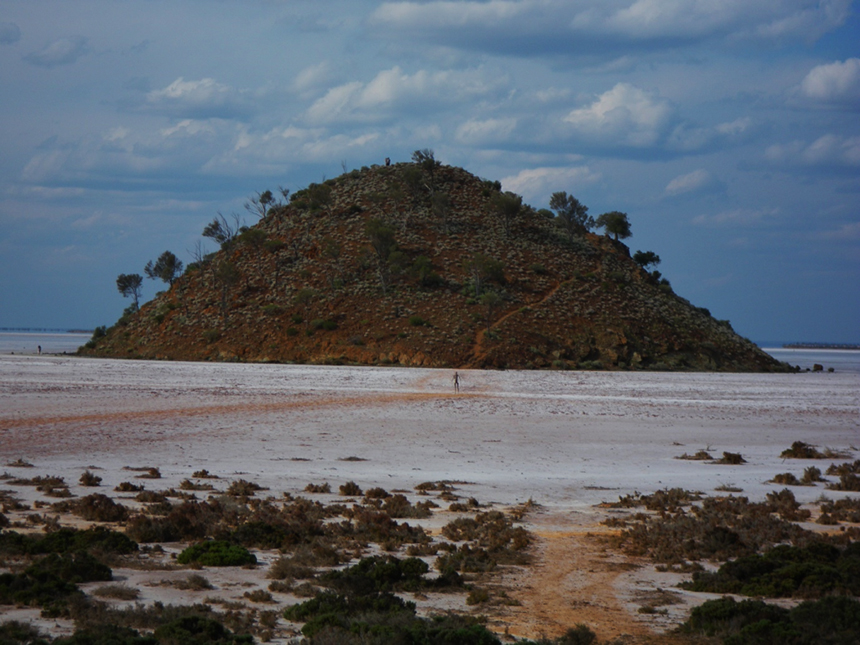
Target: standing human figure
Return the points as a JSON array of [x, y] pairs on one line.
[[40, 349], [457, 382]]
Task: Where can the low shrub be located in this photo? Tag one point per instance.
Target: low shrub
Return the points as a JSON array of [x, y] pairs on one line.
[[731, 459], [318, 488], [842, 510], [350, 489], [242, 488], [801, 450], [701, 455], [216, 553], [89, 479], [785, 479], [99, 508], [786, 572], [321, 324], [117, 592], [847, 481], [128, 487], [834, 619]]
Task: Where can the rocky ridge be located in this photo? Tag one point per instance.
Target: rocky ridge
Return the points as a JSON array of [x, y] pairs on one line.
[[380, 265]]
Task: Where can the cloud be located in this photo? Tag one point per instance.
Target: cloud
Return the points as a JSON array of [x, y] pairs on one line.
[[64, 51], [489, 132], [693, 182], [313, 76], [529, 27], [200, 99], [837, 83], [624, 116], [393, 88], [827, 150], [10, 33], [536, 183], [736, 217], [845, 233]]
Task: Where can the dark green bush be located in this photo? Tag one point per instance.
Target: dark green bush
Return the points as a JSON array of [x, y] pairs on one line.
[[379, 573], [786, 571], [198, 630], [216, 553], [99, 508], [834, 619]]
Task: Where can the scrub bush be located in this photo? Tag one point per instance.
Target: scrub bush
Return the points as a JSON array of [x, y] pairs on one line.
[[216, 553]]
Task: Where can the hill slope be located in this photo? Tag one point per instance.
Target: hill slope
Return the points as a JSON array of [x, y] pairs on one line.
[[379, 266]]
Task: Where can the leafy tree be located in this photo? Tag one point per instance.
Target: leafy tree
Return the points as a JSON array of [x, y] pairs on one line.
[[484, 269], [507, 206], [222, 231], [426, 158], [166, 268], [440, 204], [382, 241], [572, 213], [614, 223], [319, 196], [646, 258], [422, 268], [226, 275], [303, 298], [253, 237], [332, 251], [490, 300], [129, 285]]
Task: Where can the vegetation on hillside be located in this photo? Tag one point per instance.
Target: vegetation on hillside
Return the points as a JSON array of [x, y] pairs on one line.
[[421, 264]]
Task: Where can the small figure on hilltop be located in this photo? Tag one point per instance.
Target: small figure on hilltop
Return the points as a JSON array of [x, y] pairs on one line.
[[388, 161], [457, 382]]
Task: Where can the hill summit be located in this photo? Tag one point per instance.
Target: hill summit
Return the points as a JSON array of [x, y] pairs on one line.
[[422, 264]]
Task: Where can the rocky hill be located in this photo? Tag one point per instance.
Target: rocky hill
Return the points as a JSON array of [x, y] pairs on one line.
[[394, 264]]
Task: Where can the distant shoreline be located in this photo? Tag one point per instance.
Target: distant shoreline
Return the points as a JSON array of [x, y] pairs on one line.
[[43, 330], [848, 346]]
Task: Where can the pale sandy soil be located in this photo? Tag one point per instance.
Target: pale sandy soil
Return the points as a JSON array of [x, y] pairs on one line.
[[567, 440]]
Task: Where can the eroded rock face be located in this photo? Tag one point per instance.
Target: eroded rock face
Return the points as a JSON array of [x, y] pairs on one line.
[[317, 283]]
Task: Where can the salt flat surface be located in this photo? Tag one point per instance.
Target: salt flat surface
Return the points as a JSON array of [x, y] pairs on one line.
[[566, 439]]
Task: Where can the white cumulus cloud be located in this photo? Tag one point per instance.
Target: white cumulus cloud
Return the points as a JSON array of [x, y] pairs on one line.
[[827, 150], [394, 89], [198, 99], [692, 182], [538, 183], [625, 115], [485, 131], [837, 82]]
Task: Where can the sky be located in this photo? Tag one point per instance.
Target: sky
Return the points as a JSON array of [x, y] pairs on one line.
[[727, 130]]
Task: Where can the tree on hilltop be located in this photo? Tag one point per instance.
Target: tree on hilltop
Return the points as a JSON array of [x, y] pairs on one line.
[[507, 206], [222, 231], [129, 285], [572, 213], [166, 268], [614, 223], [646, 258]]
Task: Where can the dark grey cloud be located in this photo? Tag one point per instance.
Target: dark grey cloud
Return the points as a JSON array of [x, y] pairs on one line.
[[64, 51], [10, 33], [588, 27]]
